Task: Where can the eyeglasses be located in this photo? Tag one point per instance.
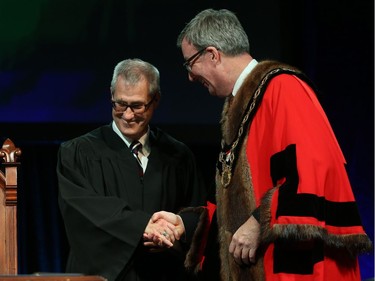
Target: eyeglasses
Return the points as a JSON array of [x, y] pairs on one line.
[[137, 108], [189, 62]]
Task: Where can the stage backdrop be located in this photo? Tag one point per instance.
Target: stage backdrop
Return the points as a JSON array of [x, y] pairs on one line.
[[56, 63]]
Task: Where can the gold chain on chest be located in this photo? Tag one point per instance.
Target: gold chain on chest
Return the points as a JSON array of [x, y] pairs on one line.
[[227, 157]]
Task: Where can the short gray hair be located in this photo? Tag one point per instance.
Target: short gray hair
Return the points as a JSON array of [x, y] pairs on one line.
[[218, 28], [133, 71]]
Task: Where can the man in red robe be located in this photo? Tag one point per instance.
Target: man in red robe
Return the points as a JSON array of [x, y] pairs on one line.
[[285, 207]]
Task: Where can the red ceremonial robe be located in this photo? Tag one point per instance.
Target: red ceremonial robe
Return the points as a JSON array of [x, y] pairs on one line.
[[289, 165]]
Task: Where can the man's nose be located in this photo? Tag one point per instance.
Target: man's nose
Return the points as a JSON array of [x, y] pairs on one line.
[[191, 76], [128, 113]]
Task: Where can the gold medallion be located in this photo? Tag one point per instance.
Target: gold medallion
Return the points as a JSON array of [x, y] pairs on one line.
[[226, 176]]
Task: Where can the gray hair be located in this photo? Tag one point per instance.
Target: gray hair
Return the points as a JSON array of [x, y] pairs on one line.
[[218, 28], [133, 71]]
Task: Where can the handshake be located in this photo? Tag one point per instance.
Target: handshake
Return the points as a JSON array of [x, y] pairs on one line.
[[162, 230]]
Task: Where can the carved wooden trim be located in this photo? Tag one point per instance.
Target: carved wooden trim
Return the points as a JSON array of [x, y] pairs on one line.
[[10, 154]]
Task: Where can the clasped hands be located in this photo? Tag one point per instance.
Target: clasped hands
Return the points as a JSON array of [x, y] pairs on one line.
[[162, 230]]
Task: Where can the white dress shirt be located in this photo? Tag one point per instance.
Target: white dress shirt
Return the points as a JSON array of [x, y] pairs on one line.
[[243, 75]]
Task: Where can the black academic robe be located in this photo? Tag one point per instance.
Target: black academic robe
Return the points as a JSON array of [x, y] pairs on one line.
[[106, 206]]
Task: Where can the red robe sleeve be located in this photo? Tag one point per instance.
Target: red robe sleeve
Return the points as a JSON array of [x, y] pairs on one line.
[[292, 148]]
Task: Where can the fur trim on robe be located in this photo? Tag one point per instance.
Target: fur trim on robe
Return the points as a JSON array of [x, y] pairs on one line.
[[194, 255]]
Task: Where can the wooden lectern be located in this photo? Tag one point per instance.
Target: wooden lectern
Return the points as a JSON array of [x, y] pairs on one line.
[[9, 155], [8, 207], [51, 277]]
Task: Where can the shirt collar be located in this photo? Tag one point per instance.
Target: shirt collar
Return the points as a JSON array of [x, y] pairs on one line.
[[243, 75], [144, 140]]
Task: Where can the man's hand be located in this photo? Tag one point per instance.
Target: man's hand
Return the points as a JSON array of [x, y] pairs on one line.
[[163, 229], [173, 219], [159, 233], [245, 242]]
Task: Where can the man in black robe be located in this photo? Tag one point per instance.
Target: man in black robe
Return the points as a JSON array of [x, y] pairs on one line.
[[107, 200]]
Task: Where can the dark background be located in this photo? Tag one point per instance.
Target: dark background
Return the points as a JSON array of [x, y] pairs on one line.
[[56, 63]]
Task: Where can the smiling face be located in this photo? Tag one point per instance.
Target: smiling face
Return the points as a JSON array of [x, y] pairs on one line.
[[133, 125], [206, 68]]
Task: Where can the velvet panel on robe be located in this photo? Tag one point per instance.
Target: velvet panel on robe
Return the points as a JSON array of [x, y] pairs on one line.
[[310, 217], [106, 206]]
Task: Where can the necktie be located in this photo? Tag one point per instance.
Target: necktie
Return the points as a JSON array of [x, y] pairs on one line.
[[135, 147]]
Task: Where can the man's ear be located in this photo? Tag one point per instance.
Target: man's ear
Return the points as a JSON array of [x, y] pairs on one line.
[[214, 53]]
